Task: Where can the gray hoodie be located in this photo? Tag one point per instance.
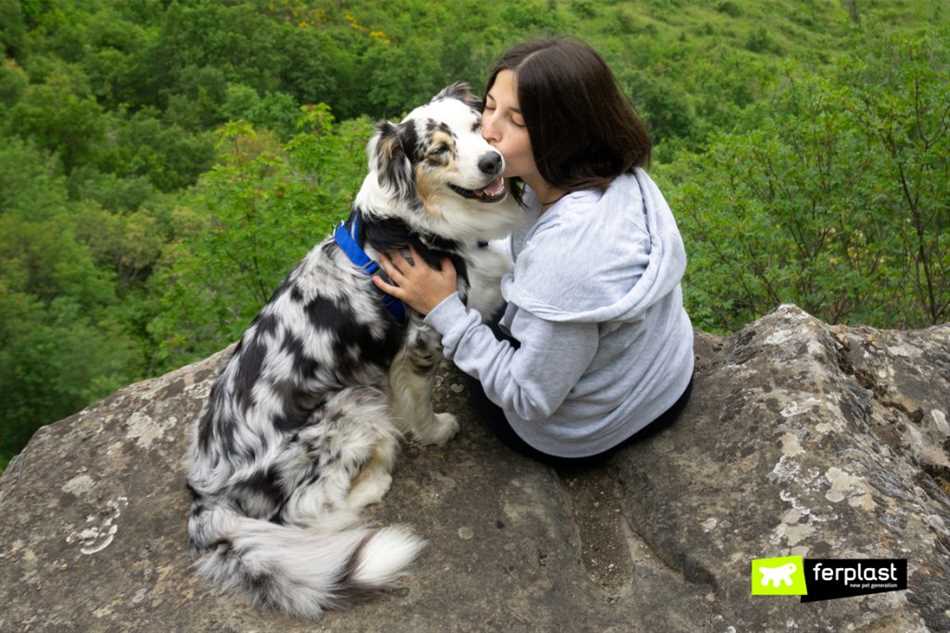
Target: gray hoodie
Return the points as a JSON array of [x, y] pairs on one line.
[[595, 301]]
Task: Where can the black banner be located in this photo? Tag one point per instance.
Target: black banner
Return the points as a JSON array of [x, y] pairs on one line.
[[830, 578]]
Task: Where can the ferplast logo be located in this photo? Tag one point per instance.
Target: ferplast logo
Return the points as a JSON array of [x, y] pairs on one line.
[[827, 578], [783, 576]]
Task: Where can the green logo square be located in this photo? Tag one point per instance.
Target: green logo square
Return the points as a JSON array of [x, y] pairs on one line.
[[784, 576]]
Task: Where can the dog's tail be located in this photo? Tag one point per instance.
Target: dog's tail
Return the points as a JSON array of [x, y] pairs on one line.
[[302, 571]]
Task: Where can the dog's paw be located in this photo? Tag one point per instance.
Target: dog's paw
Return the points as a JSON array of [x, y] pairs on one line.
[[370, 490], [445, 427]]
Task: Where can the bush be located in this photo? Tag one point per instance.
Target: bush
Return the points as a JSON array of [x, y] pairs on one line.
[[761, 41], [729, 8]]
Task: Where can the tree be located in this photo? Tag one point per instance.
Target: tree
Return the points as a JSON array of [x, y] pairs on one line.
[[58, 117], [12, 28], [60, 347], [32, 184], [902, 104]]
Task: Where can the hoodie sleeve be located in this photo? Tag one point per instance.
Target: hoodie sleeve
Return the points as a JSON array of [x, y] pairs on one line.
[[533, 380]]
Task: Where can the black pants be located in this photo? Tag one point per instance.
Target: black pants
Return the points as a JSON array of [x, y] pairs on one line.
[[495, 419]]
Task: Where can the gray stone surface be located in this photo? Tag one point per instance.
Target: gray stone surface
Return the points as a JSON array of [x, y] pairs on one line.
[[800, 438]]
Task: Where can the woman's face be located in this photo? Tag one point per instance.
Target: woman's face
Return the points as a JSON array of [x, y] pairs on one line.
[[504, 128]]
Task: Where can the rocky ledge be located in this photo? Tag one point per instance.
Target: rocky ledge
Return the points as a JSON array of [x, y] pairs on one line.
[[800, 438]]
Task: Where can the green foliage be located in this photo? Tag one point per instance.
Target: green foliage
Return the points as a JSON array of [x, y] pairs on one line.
[[128, 245], [31, 182], [164, 164], [529, 16], [629, 24], [901, 101], [62, 345], [110, 190], [13, 82], [729, 8], [584, 8], [836, 202], [276, 111], [321, 67], [669, 112], [12, 28], [43, 259], [61, 116], [141, 145], [62, 360], [760, 41], [246, 224], [110, 56]]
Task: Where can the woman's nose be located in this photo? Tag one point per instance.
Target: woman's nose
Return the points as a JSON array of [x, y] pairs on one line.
[[489, 133]]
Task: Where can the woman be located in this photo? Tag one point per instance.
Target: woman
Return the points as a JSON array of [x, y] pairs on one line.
[[600, 347]]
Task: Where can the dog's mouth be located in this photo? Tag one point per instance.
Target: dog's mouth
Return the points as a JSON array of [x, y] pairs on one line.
[[493, 192]]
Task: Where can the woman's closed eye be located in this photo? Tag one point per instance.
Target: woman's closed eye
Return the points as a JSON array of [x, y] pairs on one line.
[[516, 122]]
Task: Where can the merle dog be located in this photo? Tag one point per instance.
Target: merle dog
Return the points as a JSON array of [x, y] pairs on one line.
[[301, 427]]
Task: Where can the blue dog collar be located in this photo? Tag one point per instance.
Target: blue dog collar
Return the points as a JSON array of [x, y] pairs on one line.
[[348, 243]]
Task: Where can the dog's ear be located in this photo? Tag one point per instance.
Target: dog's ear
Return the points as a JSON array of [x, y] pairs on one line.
[[463, 92], [390, 150]]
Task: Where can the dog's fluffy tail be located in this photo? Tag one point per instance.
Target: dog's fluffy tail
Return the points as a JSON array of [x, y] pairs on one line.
[[298, 570]]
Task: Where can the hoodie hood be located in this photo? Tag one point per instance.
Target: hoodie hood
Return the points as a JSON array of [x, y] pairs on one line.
[[598, 256]]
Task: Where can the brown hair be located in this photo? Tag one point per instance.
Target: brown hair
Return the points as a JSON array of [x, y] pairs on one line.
[[584, 132]]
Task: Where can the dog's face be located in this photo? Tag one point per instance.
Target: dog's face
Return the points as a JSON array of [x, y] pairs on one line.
[[436, 162]]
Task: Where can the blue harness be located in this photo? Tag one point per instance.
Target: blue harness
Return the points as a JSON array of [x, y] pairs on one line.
[[349, 244]]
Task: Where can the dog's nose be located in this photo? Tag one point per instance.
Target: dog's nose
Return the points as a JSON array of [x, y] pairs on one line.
[[490, 163]]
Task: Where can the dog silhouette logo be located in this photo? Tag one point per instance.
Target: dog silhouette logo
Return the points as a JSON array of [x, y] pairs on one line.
[[778, 576]]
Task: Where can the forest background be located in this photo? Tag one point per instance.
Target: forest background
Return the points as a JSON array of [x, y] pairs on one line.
[[164, 163]]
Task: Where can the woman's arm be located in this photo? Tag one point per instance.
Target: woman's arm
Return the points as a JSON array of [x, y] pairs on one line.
[[533, 380]]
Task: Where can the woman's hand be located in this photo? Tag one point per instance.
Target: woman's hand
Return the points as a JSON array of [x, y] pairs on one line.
[[417, 285]]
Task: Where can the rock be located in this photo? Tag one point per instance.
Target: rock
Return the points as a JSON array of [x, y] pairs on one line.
[[800, 438]]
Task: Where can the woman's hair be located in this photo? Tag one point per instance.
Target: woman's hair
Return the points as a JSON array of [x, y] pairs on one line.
[[584, 132]]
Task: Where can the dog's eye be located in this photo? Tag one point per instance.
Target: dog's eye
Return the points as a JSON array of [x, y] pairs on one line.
[[477, 125], [440, 149]]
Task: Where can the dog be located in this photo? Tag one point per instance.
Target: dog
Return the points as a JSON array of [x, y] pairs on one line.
[[301, 427]]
